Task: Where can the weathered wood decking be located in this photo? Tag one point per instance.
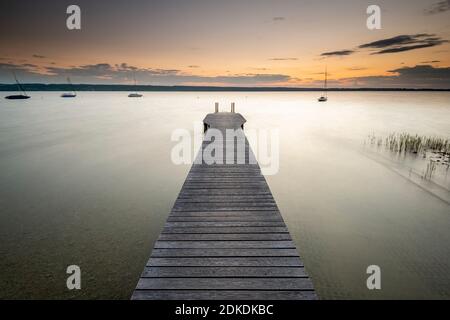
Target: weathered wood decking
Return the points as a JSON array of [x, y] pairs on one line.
[[225, 237]]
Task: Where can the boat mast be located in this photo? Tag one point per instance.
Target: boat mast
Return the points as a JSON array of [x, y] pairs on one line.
[[71, 85], [18, 84], [325, 81], [134, 77]]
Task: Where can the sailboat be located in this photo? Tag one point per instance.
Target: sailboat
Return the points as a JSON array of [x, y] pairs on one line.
[[135, 94], [324, 97], [72, 94], [18, 96]]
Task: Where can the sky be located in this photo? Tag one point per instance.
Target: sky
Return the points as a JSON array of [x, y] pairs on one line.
[[227, 43]]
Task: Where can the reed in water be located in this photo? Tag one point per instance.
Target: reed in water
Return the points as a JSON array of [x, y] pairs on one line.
[[434, 149], [408, 143]]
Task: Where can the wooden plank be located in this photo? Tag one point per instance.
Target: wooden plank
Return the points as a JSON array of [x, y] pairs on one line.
[[235, 187], [229, 204], [250, 201], [227, 262], [223, 179], [225, 284], [202, 168], [221, 208], [234, 272], [215, 172], [226, 198], [226, 230], [223, 185], [224, 175], [228, 213], [227, 252], [223, 295], [224, 236], [217, 224], [212, 192], [223, 244], [260, 218]]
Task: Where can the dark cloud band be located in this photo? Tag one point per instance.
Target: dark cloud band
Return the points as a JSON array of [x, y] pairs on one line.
[[404, 43], [338, 53], [439, 7]]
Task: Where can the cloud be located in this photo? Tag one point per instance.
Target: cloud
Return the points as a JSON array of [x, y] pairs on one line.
[[321, 73], [408, 48], [404, 43], [38, 56], [283, 59], [398, 40], [26, 67], [438, 7], [432, 61], [27, 71], [121, 71], [338, 53], [248, 79], [419, 76], [92, 70], [193, 66], [279, 18], [356, 68], [425, 72], [124, 73], [395, 44], [122, 66], [9, 66]]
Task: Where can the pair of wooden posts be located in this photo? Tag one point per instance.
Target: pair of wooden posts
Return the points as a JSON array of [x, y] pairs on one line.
[[206, 126], [217, 107]]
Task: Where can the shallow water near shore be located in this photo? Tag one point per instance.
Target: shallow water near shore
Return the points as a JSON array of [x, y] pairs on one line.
[[89, 181]]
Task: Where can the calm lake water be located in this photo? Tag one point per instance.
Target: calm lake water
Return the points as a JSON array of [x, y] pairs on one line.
[[89, 181]]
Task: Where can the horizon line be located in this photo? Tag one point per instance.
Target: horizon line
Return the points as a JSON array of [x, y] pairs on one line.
[[34, 86]]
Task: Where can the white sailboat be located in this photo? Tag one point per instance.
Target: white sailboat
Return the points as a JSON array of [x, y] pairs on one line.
[[135, 94], [72, 94], [324, 97]]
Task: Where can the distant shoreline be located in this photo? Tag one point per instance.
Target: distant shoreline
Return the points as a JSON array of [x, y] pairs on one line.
[[144, 88]]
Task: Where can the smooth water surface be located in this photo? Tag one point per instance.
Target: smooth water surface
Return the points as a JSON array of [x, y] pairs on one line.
[[89, 181]]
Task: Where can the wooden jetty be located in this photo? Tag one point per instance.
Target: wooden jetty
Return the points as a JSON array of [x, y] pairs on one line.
[[225, 238]]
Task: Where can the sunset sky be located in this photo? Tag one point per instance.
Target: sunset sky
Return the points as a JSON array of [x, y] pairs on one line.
[[228, 43]]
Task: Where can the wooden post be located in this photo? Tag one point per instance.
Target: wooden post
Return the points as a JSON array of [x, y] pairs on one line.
[[232, 107], [217, 107]]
